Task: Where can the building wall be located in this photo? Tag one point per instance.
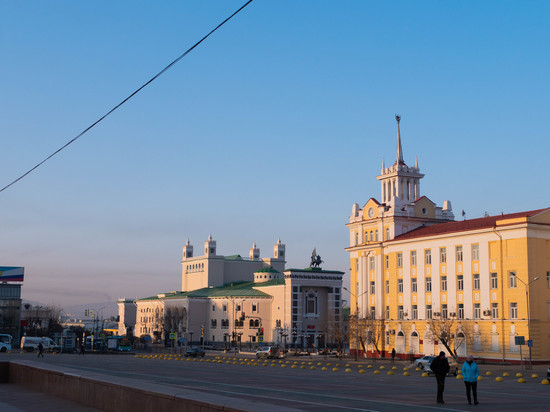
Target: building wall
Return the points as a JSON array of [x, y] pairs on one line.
[[522, 254]]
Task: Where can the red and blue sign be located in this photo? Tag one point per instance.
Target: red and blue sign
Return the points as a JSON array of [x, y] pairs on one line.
[[11, 274]]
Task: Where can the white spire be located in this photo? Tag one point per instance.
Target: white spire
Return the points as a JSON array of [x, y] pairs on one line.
[[416, 162], [210, 236], [383, 165], [254, 245], [278, 240], [399, 149]]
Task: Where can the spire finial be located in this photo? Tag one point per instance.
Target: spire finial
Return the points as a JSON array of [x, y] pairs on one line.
[[399, 149], [416, 162], [210, 236], [383, 165]]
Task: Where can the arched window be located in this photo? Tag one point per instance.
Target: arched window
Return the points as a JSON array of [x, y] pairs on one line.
[[256, 323], [251, 323]]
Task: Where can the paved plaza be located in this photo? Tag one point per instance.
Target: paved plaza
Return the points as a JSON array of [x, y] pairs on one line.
[[314, 383]]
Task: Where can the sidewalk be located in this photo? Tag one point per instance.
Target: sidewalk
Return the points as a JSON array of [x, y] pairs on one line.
[[14, 398]]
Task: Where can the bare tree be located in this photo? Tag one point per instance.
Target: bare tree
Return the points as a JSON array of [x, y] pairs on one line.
[[450, 332], [175, 319], [373, 331], [52, 318]]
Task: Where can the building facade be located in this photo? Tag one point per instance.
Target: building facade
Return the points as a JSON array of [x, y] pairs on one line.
[[11, 278], [232, 301], [422, 282]]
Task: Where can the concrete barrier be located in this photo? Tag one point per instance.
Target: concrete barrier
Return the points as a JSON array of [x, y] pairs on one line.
[[116, 393]]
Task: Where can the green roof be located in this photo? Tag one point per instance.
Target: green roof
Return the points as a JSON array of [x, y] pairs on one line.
[[241, 289], [271, 282], [267, 270], [233, 257]]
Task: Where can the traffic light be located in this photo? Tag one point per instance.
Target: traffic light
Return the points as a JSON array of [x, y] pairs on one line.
[[261, 331], [242, 317], [202, 331], [86, 312]]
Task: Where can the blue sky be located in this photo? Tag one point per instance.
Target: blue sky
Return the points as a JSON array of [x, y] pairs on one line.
[[272, 128]]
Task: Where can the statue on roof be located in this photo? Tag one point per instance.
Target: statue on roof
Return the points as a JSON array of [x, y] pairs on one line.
[[315, 260]]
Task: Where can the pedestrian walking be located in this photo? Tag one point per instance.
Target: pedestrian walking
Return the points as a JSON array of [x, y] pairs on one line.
[[40, 350], [440, 367], [470, 373], [392, 355]]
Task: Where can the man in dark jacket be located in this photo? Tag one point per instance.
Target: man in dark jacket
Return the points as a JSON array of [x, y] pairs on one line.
[[440, 366]]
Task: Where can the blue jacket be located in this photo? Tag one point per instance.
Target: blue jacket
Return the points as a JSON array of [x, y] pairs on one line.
[[470, 372]]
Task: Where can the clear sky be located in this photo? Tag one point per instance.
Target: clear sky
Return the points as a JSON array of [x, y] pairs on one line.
[[272, 128]]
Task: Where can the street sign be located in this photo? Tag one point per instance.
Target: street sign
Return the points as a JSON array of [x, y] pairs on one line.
[[260, 338], [519, 340], [530, 343], [172, 335]]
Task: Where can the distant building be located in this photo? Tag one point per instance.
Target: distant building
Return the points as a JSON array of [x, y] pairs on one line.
[[229, 300], [10, 301], [419, 279]]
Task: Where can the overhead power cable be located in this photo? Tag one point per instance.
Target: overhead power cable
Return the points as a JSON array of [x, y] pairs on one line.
[[127, 98]]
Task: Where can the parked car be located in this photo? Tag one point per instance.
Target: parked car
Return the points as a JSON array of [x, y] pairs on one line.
[[268, 352], [195, 352], [5, 343], [453, 367], [30, 344], [426, 360]]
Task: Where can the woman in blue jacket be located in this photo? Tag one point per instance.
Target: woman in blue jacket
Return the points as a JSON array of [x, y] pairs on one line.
[[470, 373]]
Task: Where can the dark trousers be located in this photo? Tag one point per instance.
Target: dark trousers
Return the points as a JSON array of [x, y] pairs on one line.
[[440, 387], [473, 386]]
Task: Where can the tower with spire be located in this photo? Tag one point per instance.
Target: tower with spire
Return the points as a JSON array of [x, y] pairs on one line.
[[399, 182]]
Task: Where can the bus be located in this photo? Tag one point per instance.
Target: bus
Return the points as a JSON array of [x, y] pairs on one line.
[[119, 343]]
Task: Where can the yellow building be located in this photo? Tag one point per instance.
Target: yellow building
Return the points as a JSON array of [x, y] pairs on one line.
[[422, 282]]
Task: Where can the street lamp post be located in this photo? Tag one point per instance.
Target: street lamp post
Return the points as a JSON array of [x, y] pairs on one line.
[[356, 320], [528, 316]]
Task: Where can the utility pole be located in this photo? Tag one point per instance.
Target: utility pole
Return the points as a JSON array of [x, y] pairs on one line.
[[356, 320], [529, 342]]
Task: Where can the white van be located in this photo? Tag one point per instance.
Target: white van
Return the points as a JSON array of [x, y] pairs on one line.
[[5, 343], [30, 344]]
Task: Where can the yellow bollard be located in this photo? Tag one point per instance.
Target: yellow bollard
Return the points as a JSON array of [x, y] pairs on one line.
[[406, 374], [521, 380], [362, 371], [545, 382], [498, 379]]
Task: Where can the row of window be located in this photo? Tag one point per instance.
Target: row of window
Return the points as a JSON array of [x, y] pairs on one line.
[[254, 307], [197, 267], [445, 314], [428, 256], [253, 323], [512, 283]]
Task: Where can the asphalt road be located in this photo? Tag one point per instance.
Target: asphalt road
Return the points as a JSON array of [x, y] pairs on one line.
[[319, 390]]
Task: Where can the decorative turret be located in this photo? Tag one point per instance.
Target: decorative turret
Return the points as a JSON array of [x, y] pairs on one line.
[[187, 250], [279, 250], [254, 252], [399, 181], [210, 247]]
